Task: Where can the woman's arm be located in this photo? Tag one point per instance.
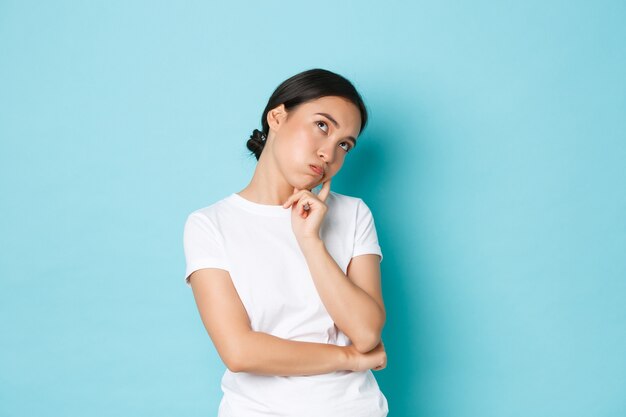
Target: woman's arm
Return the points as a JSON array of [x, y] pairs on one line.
[[271, 355], [266, 354], [244, 350], [357, 310]]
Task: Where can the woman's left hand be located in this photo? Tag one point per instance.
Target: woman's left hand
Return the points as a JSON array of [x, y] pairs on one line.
[[306, 223]]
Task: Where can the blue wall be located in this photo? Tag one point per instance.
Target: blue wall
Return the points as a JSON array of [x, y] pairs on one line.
[[494, 165]]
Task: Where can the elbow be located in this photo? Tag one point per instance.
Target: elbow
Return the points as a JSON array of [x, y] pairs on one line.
[[367, 342], [233, 363], [234, 358], [369, 338]]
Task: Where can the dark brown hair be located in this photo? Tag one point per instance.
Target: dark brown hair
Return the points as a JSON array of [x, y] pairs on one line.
[[300, 88]]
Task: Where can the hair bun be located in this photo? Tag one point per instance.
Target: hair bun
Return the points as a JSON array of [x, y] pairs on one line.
[[258, 135], [256, 143]]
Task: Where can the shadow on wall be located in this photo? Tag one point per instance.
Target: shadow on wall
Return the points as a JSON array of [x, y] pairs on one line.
[[383, 172]]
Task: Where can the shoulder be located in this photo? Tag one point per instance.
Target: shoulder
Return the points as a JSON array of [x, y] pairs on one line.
[[210, 213], [344, 207], [342, 199], [346, 202]]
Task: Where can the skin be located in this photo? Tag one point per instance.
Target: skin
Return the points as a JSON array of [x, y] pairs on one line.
[[297, 139], [354, 300]]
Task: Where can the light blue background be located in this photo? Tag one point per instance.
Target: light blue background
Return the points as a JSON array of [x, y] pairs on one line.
[[494, 165]]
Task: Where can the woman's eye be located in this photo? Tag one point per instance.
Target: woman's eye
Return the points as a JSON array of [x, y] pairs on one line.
[[348, 145], [324, 123], [347, 148]]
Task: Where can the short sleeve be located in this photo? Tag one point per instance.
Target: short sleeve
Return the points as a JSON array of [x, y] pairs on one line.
[[365, 238], [202, 244]]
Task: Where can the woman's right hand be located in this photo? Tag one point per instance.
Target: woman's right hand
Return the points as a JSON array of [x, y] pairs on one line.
[[375, 359]]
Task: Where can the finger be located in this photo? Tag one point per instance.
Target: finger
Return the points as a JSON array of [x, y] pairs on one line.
[[304, 205], [323, 194], [290, 199], [297, 195], [299, 206]]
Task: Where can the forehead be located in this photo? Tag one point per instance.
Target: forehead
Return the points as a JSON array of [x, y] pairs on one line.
[[342, 110]]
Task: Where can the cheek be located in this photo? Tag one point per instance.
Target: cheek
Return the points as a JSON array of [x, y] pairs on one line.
[[338, 164], [292, 156], [304, 148]]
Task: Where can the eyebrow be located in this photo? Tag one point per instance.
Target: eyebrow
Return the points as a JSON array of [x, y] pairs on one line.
[[329, 117]]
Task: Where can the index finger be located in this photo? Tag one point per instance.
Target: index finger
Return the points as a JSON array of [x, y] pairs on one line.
[[323, 194]]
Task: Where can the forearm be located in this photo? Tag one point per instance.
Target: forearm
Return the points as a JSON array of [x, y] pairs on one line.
[[353, 310], [266, 354]]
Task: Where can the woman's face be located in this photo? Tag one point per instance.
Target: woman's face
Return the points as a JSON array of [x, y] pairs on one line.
[[304, 137]]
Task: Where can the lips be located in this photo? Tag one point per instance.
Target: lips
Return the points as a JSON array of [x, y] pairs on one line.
[[317, 169]]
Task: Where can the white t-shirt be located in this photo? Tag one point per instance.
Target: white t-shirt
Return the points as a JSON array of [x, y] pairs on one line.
[[255, 243]]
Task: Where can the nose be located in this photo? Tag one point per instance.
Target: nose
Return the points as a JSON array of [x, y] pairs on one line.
[[327, 155]]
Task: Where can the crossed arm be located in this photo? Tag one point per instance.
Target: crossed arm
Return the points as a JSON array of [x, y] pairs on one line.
[[354, 301], [245, 350]]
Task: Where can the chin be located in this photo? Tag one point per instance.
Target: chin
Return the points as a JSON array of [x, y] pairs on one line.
[[301, 184], [317, 182], [308, 185]]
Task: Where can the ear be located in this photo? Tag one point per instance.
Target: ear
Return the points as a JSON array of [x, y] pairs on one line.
[[276, 116]]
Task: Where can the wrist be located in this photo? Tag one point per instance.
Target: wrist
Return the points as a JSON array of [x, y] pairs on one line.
[[310, 243], [347, 358]]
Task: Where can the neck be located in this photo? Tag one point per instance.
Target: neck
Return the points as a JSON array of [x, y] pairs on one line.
[[268, 185]]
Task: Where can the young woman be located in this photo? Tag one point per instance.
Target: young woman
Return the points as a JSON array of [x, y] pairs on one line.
[[286, 281]]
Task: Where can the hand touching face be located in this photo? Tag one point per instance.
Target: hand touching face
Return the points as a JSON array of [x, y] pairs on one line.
[[319, 133], [307, 212]]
